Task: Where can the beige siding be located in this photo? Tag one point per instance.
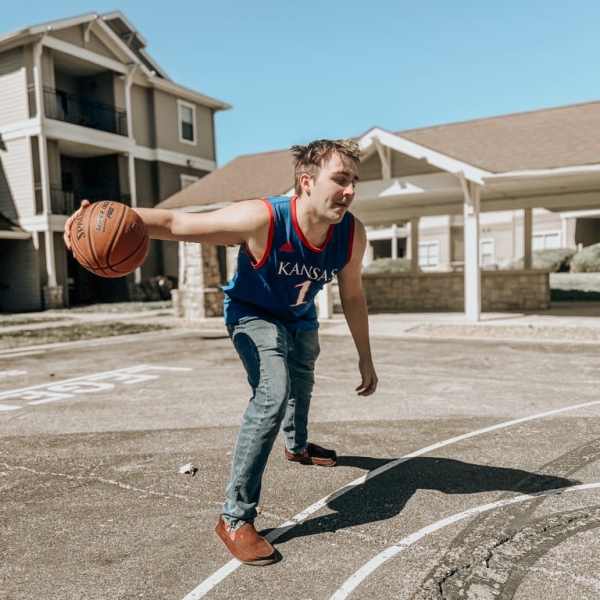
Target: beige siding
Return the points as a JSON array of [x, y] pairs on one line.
[[13, 87], [403, 165], [95, 45], [370, 169], [167, 127], [119, 92], [48, 68], [54, 163], [16, 186], [169, 178], [74, 35], [142, 109]]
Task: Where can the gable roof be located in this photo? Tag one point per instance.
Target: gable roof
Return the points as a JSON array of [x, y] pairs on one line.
[[128, 41], [245, 177], [543, 139]]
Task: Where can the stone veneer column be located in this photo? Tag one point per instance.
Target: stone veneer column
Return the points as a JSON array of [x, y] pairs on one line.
[[199, 295]]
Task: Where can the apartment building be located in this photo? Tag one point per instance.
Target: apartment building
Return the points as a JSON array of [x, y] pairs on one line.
[[86, 112]]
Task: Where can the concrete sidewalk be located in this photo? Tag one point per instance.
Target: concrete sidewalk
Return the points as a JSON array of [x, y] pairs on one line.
[[566, 322]]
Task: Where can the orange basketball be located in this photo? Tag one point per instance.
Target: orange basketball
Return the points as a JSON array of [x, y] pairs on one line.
[[109, 239]]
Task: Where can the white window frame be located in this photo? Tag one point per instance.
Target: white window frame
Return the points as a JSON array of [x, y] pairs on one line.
[[543, 234], [430, 244], [186, 180], [483, 241], [180, 105]]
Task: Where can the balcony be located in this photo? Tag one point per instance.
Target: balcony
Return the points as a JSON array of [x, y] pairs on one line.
[[72, 108]]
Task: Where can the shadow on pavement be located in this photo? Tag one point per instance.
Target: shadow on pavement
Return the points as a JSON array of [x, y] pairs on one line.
[[384, 496]]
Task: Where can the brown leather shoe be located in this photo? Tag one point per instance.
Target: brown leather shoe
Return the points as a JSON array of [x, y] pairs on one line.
[[246, 545], [313, 455]]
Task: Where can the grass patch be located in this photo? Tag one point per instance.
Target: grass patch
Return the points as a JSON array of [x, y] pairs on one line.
[[73, 333], [120, 307], [13, 322]]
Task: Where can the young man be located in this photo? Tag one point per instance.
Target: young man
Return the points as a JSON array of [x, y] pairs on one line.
[[290, 248]]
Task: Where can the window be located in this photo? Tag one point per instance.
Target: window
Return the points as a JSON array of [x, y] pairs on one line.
[[187, 122], [543, 241], [429, 254], [187, 180], [487, 252]]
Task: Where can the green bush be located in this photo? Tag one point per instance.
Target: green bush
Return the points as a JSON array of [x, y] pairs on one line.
[[389, 265], [586, 260], [555, 260]]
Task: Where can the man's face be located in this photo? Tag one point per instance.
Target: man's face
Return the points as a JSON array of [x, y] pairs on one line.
[[333, 189]]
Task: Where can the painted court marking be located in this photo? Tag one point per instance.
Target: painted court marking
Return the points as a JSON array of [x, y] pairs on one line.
[[70, 388], [357, 578], [213, 580]]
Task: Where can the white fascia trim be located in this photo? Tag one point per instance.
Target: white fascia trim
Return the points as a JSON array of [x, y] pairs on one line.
[[117, 14], [156, 66], [20, 129], [187, 94], [186, 180], [183, 104], [87, 55], [516, 176], [437, 159], [174, 158], [580, 213], [15, 235], [62, 130], [122, 46]]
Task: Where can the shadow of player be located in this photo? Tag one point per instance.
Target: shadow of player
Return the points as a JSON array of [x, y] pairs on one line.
[[384, 496]]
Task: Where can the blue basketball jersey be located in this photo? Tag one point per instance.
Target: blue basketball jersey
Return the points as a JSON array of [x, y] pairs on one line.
[[283, 283]]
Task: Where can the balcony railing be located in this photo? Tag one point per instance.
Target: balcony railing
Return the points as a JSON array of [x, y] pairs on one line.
[[65, 203], [78, 110]]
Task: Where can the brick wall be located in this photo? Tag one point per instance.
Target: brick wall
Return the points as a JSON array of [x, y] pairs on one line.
[[500, 291]]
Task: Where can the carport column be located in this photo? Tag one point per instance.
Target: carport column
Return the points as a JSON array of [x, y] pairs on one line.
[[471, 193], [414, 244], [394, 241], [325, 302], [527, 237]]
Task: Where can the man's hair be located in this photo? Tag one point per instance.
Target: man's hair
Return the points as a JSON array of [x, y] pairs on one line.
[[310, 158]]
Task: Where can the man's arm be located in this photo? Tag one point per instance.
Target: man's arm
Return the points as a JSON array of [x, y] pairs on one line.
[[355, 309], [242, 222]]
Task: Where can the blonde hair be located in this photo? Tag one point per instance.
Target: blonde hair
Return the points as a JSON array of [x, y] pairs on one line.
[[310, 158]]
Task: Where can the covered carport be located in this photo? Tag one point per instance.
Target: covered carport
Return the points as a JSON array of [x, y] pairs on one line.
[[453, 187]]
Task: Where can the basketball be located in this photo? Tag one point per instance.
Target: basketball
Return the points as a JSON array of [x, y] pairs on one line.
[[109, 239]]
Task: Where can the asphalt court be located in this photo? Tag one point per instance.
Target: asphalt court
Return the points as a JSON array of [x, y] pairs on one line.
[[470, 474]]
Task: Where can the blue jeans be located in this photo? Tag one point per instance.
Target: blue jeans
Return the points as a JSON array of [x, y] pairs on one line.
[[280, 368]]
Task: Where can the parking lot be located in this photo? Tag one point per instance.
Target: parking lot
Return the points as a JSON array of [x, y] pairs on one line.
[[472, 473]]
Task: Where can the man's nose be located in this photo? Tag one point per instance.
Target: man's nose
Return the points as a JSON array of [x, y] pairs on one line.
[[349, 190]]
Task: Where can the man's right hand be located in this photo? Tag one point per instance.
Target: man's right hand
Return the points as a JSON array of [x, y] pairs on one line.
[[66, 234]]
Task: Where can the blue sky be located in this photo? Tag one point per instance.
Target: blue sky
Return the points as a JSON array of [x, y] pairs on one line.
[[298, 71]]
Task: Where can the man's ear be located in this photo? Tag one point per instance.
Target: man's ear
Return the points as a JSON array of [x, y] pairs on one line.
[[306, 183]]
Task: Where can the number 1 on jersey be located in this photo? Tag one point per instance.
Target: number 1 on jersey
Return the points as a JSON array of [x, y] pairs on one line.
[[304, 287]]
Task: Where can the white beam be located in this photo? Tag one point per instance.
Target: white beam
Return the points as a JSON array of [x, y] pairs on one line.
[[79, 52], [394, 241], [472, 272], [385, 158]]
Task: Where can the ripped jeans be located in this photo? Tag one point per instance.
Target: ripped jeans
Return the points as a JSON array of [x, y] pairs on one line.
[[280, 368]]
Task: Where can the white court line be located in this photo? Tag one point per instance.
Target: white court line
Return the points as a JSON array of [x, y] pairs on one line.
[[355, 580], [218, 576], [133, 369]]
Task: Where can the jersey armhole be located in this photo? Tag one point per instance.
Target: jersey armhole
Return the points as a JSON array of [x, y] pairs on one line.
[[257, 264]]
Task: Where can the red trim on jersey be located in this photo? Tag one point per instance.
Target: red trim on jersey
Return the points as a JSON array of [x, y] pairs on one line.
[[302, 237], [351, 239], [258, 264]]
